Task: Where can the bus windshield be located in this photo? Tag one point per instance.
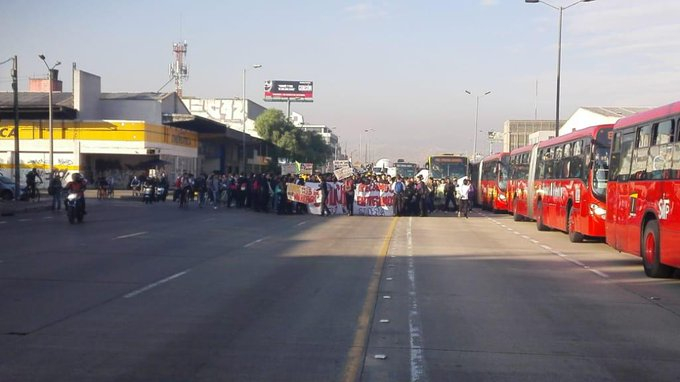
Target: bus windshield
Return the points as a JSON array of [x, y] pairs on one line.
[[600, 171], [448, 167], [406, 170]]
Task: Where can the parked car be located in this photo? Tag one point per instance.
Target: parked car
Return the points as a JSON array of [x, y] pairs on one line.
[[6, 188]]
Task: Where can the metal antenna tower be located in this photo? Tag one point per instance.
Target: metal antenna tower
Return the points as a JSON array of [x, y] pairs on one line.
[[179, 71]]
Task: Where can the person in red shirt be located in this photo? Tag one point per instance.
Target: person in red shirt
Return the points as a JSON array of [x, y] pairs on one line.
[[349, 195]]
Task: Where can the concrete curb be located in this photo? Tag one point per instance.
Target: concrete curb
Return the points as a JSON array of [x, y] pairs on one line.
[[12, 207]]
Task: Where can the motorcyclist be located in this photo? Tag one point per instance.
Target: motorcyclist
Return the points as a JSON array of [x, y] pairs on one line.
[[163, 182], [150, 182], [77, 185]]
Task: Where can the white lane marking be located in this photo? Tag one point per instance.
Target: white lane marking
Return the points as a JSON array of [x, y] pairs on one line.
[[599, 273], [131, 235], [417, 359], [301, 223], [516, 233], [580, 264], [157, 283], [526, 237], [253, 242], [569, 259], [47, 217]]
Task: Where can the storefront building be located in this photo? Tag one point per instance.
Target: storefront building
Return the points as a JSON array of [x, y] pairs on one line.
[[116, 135]]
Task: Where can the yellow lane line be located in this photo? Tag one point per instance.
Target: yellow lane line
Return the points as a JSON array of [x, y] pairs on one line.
[[357, 353]]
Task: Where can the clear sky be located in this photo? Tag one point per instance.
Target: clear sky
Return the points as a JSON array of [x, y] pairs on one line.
[[400, 67]]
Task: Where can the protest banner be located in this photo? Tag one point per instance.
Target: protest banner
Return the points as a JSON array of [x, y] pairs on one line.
[[301, 194], [340, 163], [374, 200], [369, 199], [343, 172], [289, 168], [307, 168], [335, 201]]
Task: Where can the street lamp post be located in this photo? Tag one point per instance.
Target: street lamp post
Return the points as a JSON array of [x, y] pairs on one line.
[[367, 153], [245, 105], [559, 54], [49, 108], [474, 145]]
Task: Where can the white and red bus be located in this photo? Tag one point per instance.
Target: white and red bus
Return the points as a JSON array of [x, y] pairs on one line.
[[491, 182], [643, 191], [563, 184]]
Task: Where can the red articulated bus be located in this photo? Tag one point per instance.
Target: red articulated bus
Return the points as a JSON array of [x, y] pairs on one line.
[[643, 189], [492, 182], [563, 185]]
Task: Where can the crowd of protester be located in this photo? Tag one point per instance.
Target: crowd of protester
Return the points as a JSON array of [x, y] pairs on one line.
[[267, 192]]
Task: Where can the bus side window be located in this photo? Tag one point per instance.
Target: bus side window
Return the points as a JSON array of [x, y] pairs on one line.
[[550, 164], [661, 151], [626, 155], [557, 165], [675, 154], [540, 165], [578, 145], [576, 167], [641, 153]]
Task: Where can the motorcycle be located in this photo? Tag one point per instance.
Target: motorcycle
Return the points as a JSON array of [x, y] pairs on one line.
[[161, 193], [148, 194], [74, 208]]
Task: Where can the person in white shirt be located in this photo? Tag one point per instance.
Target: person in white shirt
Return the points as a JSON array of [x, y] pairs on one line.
[[463, 192]]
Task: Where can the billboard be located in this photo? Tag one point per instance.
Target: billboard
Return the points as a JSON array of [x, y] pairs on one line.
[[299, 91]]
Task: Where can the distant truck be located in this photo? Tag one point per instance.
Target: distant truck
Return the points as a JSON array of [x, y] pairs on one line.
[[382, 166]]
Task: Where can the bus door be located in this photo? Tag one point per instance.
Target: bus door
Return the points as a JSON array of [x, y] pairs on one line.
[[624, 201], [664, 158]]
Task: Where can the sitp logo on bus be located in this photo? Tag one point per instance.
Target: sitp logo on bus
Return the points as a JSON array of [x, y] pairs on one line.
[[664, 208], [6, 132]]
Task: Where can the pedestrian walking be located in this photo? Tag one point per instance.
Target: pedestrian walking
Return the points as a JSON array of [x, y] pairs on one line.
[[55, 189], [464, 192], [349, 195], [323, 186]]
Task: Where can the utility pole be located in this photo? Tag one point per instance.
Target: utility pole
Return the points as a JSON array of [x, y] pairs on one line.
[[15, 89]]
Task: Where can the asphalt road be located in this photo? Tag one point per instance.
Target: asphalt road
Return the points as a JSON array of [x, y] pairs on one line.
[[155, 293]]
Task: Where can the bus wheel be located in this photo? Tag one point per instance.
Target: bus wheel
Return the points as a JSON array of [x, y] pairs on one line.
[[515, 215], [539, 218], [651, 252], [574, 237]]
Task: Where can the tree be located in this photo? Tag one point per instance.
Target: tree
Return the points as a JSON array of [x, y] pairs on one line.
[[290, 141]]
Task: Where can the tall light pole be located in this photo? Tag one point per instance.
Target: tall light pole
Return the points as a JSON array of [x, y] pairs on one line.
[[559, 55], [49, 108], [245, 105], [474, 145], [367, 153]]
